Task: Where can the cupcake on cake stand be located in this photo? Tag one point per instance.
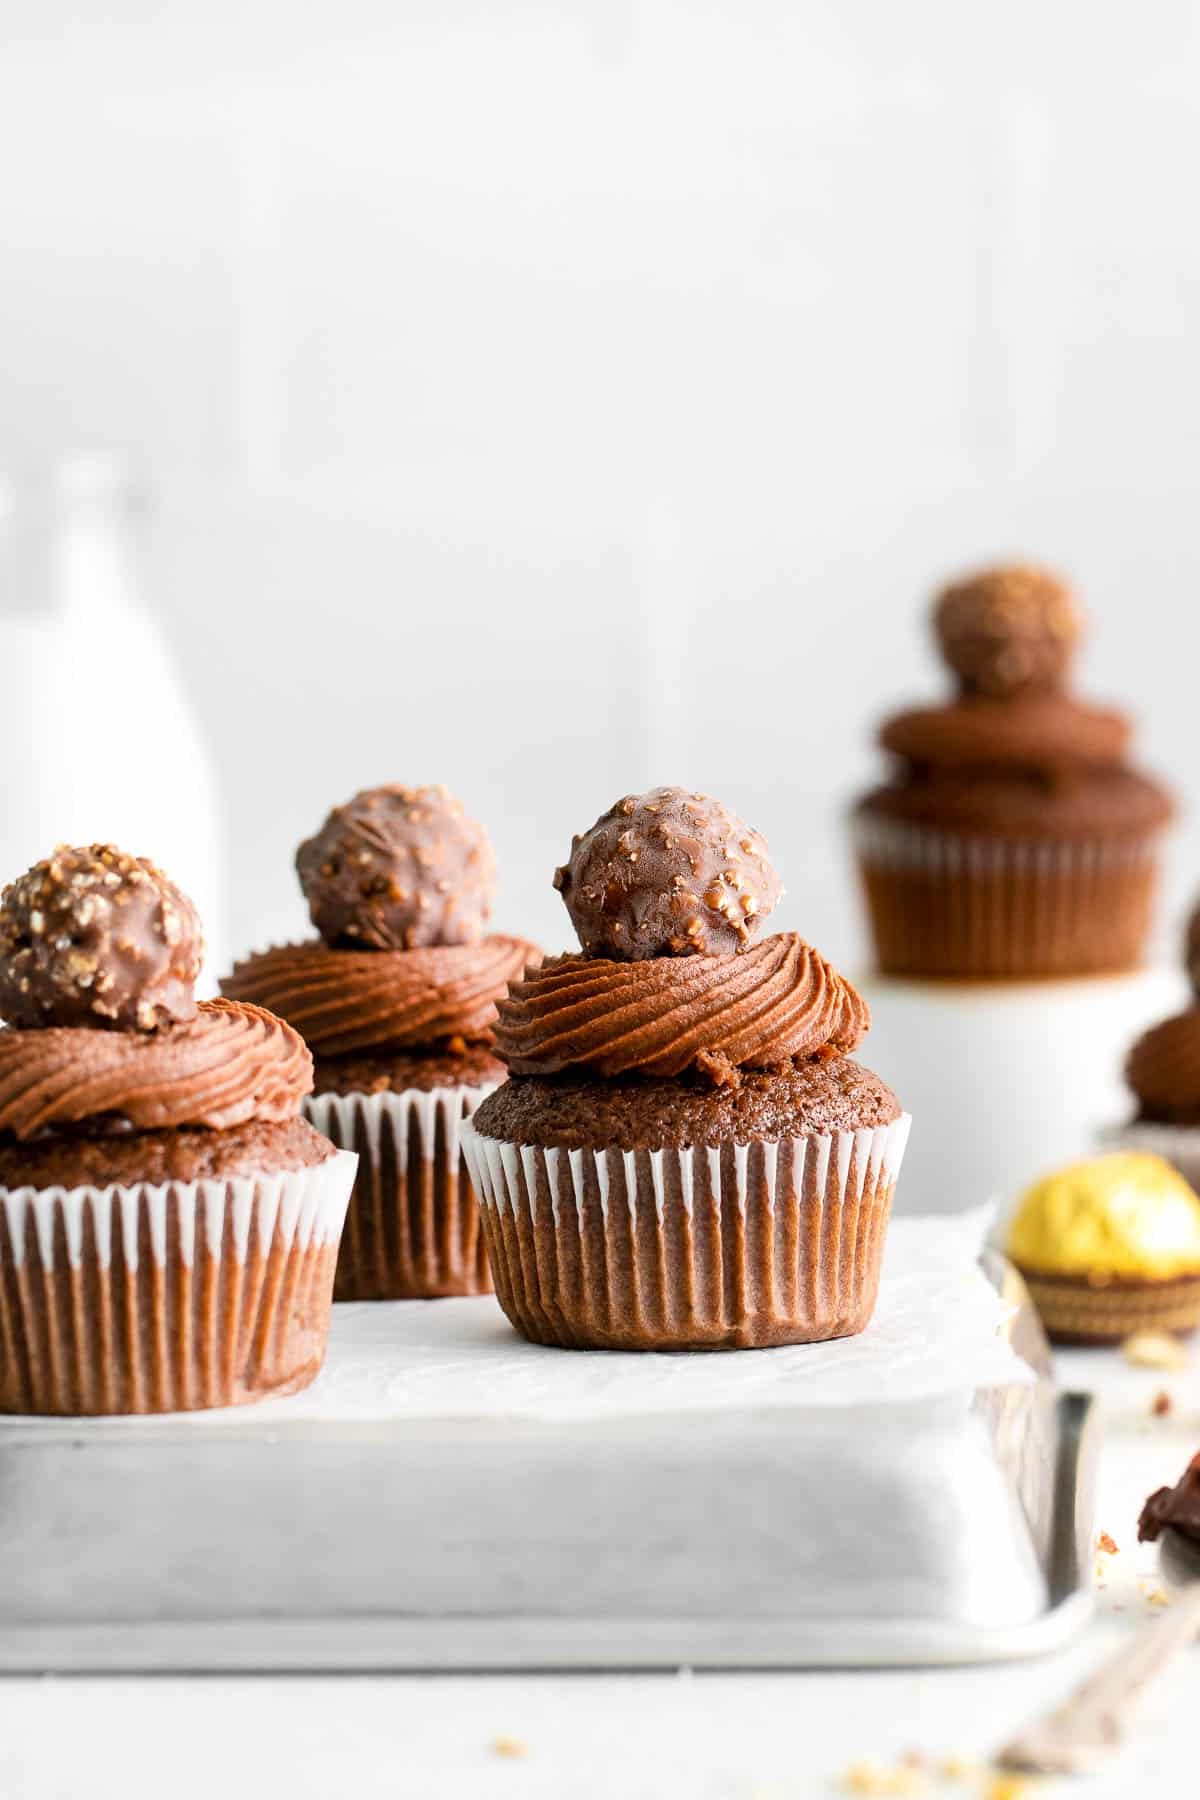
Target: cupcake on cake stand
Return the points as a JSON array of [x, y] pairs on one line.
[[1009, 865]]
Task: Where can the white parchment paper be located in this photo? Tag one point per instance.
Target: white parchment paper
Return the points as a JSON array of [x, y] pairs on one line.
[[936, 1331]]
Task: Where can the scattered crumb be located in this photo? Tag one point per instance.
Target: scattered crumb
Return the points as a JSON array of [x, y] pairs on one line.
[[1008, 1787], [1107, 1544], [1158, 1597], [1155, 1350], [1161, 1404], [875, 1779], [509, 1746], [957, 1768]]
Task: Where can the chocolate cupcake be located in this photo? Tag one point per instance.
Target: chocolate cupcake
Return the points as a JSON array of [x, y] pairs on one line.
[[397, 999], [168, 1222], [1014, 840], [683, 1156], [1108, 1247], [1162, 1072]]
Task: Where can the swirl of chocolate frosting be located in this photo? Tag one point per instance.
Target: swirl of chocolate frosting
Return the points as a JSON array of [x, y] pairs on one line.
[[1163, 1069], [227, 1065], [769, 1005], [344, 1000]]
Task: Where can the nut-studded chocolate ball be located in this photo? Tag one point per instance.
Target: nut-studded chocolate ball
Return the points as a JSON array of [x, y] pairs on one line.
[[398, 868], [1009, 630], [95, 937], [667, 873]]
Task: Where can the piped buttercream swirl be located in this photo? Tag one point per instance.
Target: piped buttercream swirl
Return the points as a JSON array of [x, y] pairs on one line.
[[230, 1064], [1163, 1070], [344, 1000], [773, 1003]]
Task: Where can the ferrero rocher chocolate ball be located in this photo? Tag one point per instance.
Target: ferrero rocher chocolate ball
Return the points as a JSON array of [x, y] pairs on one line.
[[667, 873], [398, 868], [1009, 630], [95, 937]]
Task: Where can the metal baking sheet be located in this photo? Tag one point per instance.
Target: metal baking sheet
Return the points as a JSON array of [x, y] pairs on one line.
[[921, 1535]]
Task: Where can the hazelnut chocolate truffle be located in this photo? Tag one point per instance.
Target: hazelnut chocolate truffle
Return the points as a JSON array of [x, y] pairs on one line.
[[168, 1221], [397, 1001], [1109, 1246], [1009, 630], [667, 873], [398, 868], [1013, 838], [684, 1156], [95, 937]]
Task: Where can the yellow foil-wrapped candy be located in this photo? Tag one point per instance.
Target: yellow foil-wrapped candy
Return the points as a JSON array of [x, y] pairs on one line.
[[1110, 1246]]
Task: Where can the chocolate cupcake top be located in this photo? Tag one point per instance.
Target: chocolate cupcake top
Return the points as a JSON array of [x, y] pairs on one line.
[[99, 953], [680, 986], [399, 883], [1014, 753]]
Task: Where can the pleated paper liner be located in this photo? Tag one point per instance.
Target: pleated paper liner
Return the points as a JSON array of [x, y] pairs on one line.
[[413, 1230], [1075, 1310], [167, 1297], [738, 1247], [982, 908]]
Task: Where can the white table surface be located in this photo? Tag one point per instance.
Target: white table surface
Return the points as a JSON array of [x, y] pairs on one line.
[[704, 1736]]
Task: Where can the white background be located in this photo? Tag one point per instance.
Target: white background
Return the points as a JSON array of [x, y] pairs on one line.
[[555, 397]]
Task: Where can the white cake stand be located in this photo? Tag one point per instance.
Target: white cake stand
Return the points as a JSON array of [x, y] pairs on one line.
[[1005, 1079]]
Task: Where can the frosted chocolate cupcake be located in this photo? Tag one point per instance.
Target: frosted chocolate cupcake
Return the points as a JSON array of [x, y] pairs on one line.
[[1013, 839], [1110, 1246], [397, 1000], [168, 1222], [683, 1156]]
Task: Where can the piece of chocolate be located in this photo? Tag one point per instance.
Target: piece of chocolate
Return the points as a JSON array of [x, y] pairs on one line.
[[1178, 1507], [1009, 630], [92, 936], [398, 868], [667, 873]]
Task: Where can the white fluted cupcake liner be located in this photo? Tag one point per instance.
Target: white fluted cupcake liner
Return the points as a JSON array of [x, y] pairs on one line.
[[413, 1230], [163, 1297], [944, 903], [737, 1246]]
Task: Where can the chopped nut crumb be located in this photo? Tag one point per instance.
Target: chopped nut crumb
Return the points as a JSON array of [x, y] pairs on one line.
[[1161, 1404], [874, 1778], [509, 1746]]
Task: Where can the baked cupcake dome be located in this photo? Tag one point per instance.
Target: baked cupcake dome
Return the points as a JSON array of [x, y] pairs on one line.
[[397, 1000], [684, 1156], [1109, 1246], [168, 1221], [1014, 839]]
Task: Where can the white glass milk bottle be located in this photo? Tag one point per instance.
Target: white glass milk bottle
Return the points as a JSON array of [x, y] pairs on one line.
[[98, 741]]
